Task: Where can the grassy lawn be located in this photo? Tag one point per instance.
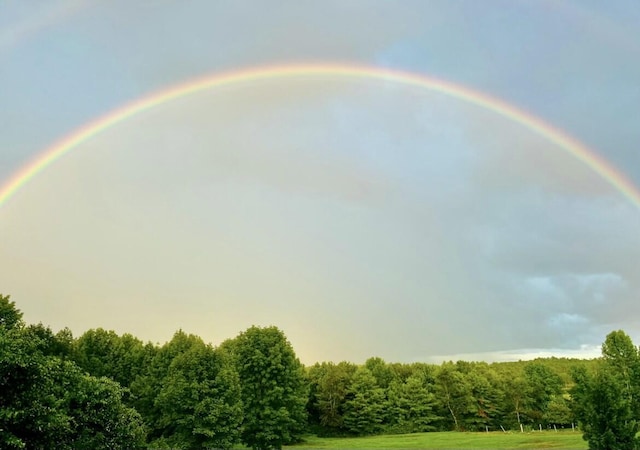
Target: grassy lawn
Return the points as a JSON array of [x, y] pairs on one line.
[[545, 439]]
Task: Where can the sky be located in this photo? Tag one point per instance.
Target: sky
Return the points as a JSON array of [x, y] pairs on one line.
[[362, 217]]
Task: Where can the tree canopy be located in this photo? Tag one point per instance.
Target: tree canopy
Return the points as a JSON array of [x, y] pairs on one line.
[[273, 388], [106, 390]]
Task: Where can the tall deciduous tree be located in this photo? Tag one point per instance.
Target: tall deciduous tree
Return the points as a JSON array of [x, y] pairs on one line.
[[103, 353], [622, 356], [148, 384], [603, 409], [47, 402], [542, 385], [515, 396], [273, 388], [200, 400], [606, 402], [454, 394], [330, 392]]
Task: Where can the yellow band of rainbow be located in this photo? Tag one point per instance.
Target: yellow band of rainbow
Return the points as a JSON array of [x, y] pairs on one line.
[[581, 152]]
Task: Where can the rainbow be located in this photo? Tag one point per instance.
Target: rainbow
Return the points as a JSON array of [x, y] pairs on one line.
[[581, 152]]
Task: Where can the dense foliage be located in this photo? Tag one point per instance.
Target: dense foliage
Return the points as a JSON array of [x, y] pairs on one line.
[[47, 401], [606, 401], [104, 390], [273, 387]]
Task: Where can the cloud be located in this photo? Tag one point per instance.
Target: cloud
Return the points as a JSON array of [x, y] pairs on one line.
[[582, 352], [363, 217]]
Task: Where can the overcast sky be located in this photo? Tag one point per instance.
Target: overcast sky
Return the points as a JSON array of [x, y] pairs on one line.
[[363, 218]]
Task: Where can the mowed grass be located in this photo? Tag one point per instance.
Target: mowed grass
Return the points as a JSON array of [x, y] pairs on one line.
[[451, 439]]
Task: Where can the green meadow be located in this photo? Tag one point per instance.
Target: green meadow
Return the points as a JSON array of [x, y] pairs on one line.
[[452, 440]]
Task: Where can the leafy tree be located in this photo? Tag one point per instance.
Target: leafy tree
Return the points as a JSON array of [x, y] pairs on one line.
[[98, 416], [381, 371], [29, 415], [515, 395], [604, 411], [59, 344], [402, 371], [94, 352], [410, 406], [200, 400], [105, 354], [426, 373], [330, 392], [273, 388], [454, 394], [606, 402], [364, 407], [47, 402], [542, 385], [487, 393], [313, 376], [10, 316], [146, 387], [64, 344], [622, 357], [558, 411]]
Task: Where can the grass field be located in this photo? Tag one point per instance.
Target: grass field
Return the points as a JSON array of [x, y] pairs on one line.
[[544, 439]]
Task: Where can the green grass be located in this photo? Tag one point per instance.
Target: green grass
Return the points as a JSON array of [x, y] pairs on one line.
[[544, 439]]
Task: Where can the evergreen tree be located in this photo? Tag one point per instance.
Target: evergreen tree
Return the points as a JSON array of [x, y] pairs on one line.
[[364, 407]]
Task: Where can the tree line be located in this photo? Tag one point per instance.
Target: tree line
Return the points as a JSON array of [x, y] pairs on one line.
[[104, 390]]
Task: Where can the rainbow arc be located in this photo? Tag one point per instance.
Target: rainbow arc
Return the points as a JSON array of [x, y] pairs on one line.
[[558, 137]]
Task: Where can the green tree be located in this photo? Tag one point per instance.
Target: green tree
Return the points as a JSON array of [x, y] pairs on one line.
[[622, 357], [487, 392], [60, 344], [105, 354], [453, 391], [98, 416], [330, 391], [364, 407], [10, 316], [30, 416], [603, 409], [313, 375], [410, 406], [94, 352], [381, 371], [515, 395], [558, 411], [146, 387], [402, 371], [542, 385], [273, 388], [47, 402], [200, 400]]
